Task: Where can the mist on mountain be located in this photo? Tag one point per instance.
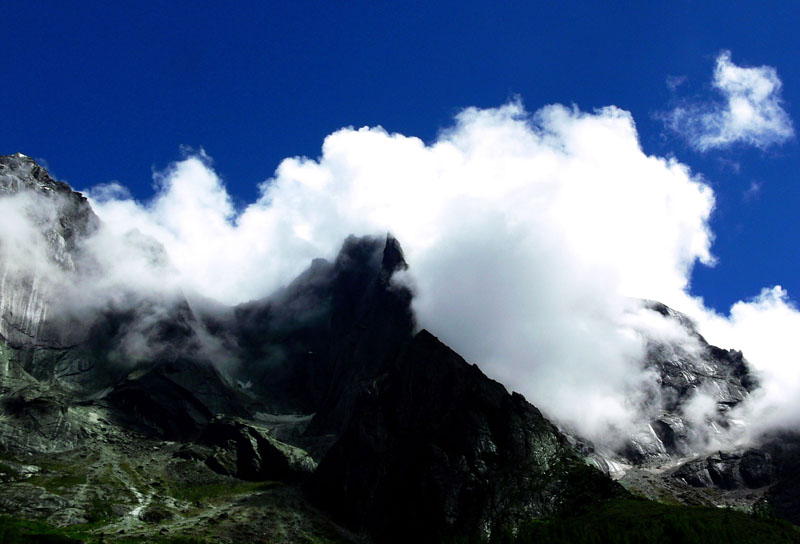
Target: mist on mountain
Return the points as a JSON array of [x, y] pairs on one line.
[[530, 240]]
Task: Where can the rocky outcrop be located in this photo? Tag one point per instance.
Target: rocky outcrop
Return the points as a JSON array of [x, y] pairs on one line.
[[772, 468], [175, 400], [423, 443], [148, 350], [38, 418], [247, 451], [751, 469]]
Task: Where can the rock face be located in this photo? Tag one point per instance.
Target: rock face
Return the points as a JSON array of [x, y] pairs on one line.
[[783, 497], [37, 418], [751, 469], [142, 356], [337, 322], [775, 465], [685, 370], [175, 399], [772, 470], [64, 217], [422, 442], [436, 448], [677, 438]]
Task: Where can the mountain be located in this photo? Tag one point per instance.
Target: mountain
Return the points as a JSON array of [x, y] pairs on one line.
[[319, 413], [684, 371]]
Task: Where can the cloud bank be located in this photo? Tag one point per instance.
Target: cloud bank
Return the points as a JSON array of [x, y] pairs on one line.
[[750, 112], [526, 235], [529, 237]]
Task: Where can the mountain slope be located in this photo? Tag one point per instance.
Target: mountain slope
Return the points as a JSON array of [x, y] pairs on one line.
[[437, 448]]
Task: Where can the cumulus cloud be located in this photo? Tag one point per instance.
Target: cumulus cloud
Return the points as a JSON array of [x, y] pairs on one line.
[[750, 111], [530, 237], [526, 235]]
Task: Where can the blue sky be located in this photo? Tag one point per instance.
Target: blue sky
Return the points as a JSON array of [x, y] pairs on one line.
[[105, 91]]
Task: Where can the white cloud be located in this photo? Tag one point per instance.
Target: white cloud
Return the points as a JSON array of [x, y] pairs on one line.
[[751, 111], [765, 329], [524, 233], [23, 217]]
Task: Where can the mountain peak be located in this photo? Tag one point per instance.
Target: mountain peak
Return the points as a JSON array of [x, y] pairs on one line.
[[393, 258], [19, 172]]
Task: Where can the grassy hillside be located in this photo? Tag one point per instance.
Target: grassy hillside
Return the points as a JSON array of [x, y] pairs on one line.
[[626, 521], [641, 521]]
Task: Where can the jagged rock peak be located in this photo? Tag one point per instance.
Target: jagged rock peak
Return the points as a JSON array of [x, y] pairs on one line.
[[687, 366], [19, 172], [661, 308], [393, 258], [371, 253]]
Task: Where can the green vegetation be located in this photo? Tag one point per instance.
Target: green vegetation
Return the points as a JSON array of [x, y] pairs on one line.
[[634, 520], [5, 469], [597, 510], [20, 531], [100, 510], [135, 477], [55, 483], [162, 540], [220, 490], [15, 530]]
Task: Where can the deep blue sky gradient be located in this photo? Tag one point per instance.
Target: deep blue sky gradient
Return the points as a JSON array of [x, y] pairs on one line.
[[107, 91]]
